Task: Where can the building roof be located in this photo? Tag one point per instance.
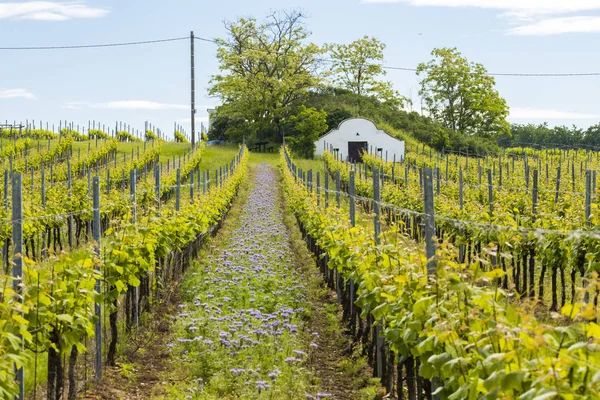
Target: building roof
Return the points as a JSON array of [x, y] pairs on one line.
[[378, 131]]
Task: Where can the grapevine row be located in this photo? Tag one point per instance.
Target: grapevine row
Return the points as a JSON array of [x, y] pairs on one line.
[[453, 334], [142, 252], [529, 247]]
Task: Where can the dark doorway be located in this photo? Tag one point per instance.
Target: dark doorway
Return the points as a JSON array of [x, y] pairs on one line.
[[355, 150]]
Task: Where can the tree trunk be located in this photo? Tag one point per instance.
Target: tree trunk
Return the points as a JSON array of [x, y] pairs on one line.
[[72, 374], [114, 332]]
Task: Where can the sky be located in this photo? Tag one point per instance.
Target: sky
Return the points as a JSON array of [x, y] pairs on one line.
[[151, 82]]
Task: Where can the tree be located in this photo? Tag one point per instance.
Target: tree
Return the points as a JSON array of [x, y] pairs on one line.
[[308, 125], [357, 67], [462, 96], [266, 68]]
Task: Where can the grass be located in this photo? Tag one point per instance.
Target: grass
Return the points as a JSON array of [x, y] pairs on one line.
[[170, 149], [270, 158], [217, 156], [317, 165], [240, 331]]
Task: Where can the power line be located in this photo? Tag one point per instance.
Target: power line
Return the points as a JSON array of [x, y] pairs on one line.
[[388, 67], [205, 39], [524, 74], [89, 46]]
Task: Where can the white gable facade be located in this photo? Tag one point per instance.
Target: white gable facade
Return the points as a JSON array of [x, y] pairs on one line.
[[355, 135]]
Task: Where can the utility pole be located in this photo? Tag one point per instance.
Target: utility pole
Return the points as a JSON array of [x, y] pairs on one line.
[[193, 92]]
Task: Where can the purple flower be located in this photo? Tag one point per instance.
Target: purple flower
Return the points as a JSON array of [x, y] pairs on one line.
[[274, 374], [261, 385], [237, 371]]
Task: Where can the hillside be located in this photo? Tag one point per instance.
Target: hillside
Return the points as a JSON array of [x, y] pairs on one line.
[[341, 104]]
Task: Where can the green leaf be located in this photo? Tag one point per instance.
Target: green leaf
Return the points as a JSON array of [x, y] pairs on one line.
[[545, 396], [422, 305], [134, 281], [65, 318], [513, 380], [119, 286]]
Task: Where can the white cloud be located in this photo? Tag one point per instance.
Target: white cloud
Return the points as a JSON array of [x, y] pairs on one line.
[[16, 94], [75, 105], [556, 26], [50, 10], [531, 16], [547, 114], [126, 105], [521, 7]]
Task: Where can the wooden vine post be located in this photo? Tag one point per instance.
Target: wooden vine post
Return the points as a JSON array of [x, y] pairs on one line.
[[557, 184], [178, 190], [17, 268], [70, 217], [192, 187], [337, 188], [588, 222], [98, 287], [157, 187], [136, 292], [5, 247], [378, 337], [430, 247], [326, 188], [352, 200], [318, 189], [490, 191]]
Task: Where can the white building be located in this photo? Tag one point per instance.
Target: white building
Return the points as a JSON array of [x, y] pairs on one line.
[[355, 135]]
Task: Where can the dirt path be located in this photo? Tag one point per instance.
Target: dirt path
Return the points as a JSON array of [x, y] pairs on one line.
[[254, 320]]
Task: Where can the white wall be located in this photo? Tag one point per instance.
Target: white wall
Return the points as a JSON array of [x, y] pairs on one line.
[[368, 132]]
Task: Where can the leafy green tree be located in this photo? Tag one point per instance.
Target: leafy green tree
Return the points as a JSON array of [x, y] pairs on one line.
[[224, 127], [358, 67], [462, 96], [308, 125], [541, 135], [266, 67], [592, 137]]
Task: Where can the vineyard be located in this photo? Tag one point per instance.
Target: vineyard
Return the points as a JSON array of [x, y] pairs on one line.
[[447, 290], [92, 236], [458, 277]]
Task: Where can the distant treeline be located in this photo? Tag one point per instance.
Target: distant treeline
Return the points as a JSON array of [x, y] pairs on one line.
[[542, 136]]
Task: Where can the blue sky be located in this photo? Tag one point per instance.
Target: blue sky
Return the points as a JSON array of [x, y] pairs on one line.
[[151, 82]]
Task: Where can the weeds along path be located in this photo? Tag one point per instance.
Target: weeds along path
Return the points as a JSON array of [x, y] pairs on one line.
[[240, 332]]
